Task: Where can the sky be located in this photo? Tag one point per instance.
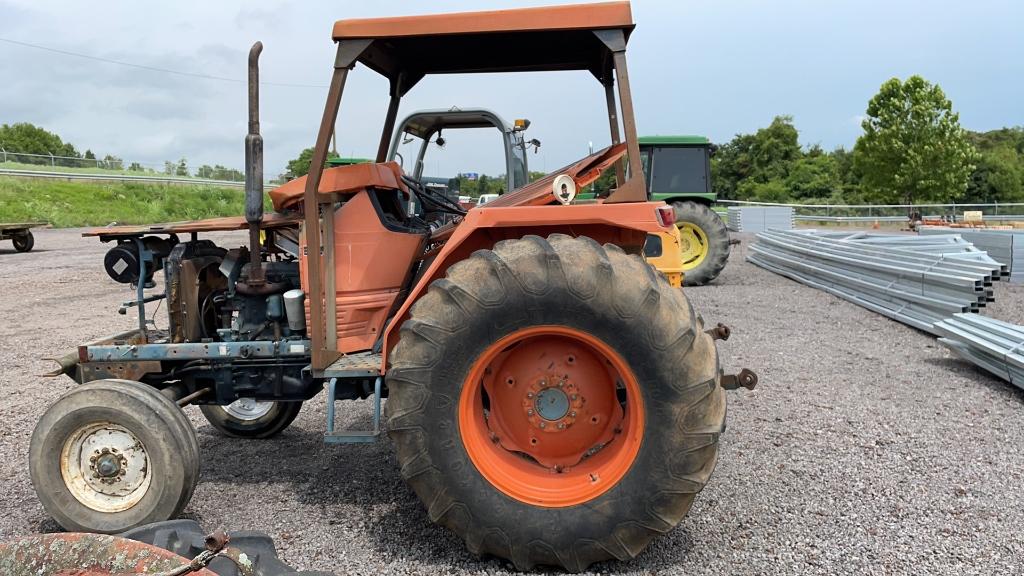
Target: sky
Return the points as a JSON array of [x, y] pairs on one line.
[[696, 67]]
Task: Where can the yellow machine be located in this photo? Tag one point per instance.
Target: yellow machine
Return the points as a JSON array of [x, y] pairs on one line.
[[664, 253]]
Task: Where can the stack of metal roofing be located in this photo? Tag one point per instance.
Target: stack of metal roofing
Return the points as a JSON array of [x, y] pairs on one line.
[[915, 280], [760, 218], [1006, 246], [994, 345]]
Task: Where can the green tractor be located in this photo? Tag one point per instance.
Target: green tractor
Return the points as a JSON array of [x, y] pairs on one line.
[[678, 171]]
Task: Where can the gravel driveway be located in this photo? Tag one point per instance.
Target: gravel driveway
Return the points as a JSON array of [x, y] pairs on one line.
[[866, 449]]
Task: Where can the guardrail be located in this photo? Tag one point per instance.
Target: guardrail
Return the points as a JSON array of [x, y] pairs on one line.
[[890, 212], [117, 177]]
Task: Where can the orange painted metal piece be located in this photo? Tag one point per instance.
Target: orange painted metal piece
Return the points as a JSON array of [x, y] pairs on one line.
[[341, 180], [229, 223], [583, 173], [552, 395], [549, 18], [76, 554], [371, 265], [625, 225]]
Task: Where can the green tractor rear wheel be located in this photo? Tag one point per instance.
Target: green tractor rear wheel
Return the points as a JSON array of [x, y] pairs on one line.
[[703, 241]]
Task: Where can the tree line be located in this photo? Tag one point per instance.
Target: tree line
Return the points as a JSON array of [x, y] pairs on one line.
[[912, 150], [22, 139]]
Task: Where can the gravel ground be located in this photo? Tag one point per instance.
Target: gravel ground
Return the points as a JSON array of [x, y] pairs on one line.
[[865, 449]]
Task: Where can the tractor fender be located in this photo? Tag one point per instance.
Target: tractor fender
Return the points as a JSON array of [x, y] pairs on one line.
[[625, 224]]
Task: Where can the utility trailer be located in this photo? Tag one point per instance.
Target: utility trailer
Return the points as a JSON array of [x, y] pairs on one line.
[[20, 234], [550, 397]]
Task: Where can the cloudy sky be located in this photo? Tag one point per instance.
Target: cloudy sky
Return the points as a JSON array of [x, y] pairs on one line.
[[714, 68]]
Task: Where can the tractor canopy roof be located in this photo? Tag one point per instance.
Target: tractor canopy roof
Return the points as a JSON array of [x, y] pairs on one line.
[[679, 140], [528, 39], [423, 123]]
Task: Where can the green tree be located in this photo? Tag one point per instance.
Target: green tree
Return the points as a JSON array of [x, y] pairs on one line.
[[913, 148], [30, 139], [998, 177], [774, 150], [300, 166], [767, 155], [815, 176], [112, 163], [135, 167], [89, 155], [772, 191], [182, 168], [169, 167], [731, 165]]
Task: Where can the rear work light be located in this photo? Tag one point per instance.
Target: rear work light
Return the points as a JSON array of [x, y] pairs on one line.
[[666, 215]]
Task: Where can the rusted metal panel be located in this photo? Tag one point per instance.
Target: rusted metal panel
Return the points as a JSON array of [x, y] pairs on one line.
[[123, 370], [88, 555], [227, 223]]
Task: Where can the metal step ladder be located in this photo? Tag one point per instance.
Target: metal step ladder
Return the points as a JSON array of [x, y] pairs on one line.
[[362, 365]]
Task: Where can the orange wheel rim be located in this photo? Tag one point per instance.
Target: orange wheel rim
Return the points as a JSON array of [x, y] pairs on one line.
[[551, 416]]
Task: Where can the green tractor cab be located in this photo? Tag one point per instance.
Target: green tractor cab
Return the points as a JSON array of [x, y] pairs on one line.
[[677, 170]]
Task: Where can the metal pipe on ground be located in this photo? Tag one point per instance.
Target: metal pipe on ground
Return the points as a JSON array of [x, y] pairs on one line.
[[993, 345], [918, 281]]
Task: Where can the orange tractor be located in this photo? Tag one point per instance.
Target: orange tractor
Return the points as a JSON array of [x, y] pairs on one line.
[[551, 398]]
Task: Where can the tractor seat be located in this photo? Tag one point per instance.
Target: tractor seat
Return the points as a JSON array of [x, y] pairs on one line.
[[340, 180]]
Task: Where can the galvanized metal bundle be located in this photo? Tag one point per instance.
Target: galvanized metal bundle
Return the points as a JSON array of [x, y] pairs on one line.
[[1007, 246], [994, 345], [915, 280], [759, 218]]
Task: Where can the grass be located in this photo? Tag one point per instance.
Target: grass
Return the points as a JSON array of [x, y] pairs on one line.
[[70, 204], [84, 170]]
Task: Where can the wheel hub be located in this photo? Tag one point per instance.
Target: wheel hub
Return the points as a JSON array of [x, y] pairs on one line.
[[693, 244], [552, 403], [248, 409], [105, 467]]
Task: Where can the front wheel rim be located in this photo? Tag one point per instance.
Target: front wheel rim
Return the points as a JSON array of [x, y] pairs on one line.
[[106, 467], [551, 416]]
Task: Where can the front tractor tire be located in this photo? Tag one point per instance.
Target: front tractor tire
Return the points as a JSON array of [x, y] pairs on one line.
[[555, 402], [703, 240], [111, 455]]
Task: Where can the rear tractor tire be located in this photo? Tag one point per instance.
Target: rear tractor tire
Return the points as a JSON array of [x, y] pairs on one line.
[[703, 240], [111, 455], [24, 242], [249, 418], [555, 402]]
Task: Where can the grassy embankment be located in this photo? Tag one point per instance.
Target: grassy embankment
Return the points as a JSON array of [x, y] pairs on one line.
[[68, 204]]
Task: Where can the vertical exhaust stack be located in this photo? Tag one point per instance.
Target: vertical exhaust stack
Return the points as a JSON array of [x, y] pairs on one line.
[[254, 168]]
